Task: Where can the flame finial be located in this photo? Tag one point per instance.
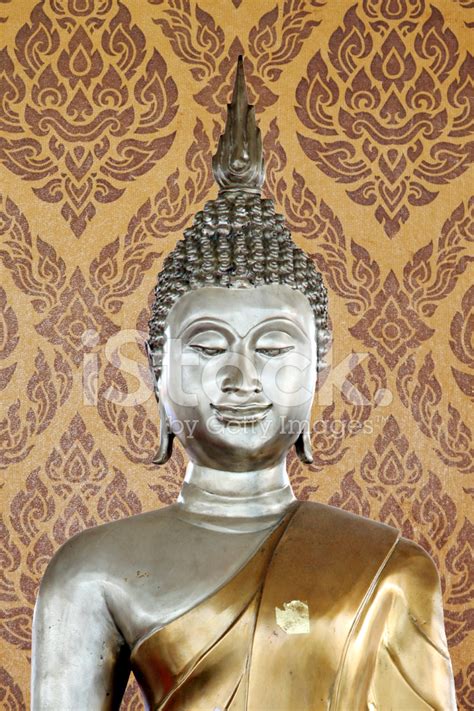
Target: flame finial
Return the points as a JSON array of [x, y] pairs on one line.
[[238, 162]]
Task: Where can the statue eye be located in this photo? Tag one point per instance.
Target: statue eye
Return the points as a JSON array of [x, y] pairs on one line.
[[273, 352], [207, 350]]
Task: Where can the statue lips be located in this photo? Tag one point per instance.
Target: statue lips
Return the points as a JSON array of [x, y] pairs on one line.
[[247, 414]]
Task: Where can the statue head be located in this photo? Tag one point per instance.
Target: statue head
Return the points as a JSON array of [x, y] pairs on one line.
[[239, 327]]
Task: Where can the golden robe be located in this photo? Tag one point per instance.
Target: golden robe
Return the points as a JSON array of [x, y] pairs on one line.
[[334, 612]]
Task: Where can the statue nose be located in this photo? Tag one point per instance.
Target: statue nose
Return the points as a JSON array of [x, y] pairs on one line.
[[241, 378]]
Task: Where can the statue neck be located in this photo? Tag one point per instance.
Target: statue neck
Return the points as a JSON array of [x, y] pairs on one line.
[[235, 501]]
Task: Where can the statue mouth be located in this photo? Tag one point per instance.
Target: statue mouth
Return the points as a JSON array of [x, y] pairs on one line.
[[248, 414]]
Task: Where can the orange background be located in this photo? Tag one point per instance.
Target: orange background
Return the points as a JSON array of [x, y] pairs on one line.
[[109, 114]]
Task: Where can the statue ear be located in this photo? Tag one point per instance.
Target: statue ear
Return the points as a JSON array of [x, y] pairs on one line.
[[303, 446], [166, 437]]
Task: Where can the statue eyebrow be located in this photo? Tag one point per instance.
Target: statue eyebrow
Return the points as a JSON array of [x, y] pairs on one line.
[[223, 324], [206, 322], [280, 319]]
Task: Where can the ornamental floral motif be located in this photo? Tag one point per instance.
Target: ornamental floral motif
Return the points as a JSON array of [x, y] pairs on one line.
[[84, 108], [74, 307], [136, 431], [169, 481], [387, 110], [462, 343], [391, 464], [421, 392], [8, 338], [11, 697], [351, 497], [46, 390], [400, 494], [391, 326], [75, 314], [202, 44], [8, 327], [460, 564], [76, 463], [465, 687]]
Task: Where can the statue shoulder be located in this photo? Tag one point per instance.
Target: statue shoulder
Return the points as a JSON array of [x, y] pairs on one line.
[[405, 560], [412, 580], [412, 569], [350, 529], [399, 568], [409, 556], [94, 551]]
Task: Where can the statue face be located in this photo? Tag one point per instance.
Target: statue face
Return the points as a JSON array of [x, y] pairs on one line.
[[239, 373]]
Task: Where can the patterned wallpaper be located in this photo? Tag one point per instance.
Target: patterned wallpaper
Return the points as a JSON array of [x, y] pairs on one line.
[[109, 114]]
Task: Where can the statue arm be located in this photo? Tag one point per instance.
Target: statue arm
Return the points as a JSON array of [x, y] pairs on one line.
[[80, 660], [413, 667]]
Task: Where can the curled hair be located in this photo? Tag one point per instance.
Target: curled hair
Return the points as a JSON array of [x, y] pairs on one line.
[[236, 241]]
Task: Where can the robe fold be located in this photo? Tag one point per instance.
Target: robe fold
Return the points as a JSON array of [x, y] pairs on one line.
[[334, 612]]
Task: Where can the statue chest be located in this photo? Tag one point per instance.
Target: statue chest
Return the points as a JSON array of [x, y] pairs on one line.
[[275, 635], [163, 577]]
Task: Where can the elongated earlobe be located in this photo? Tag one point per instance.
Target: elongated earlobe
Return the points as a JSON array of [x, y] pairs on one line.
[[303, 446], [166, 438]]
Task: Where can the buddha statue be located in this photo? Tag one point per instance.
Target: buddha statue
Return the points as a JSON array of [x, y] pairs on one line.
[[238, 597]]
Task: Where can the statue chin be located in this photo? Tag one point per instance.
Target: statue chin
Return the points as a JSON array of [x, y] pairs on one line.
[[239, 597]]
